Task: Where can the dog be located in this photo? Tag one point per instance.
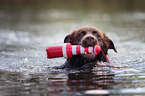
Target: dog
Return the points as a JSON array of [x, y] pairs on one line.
[[88, 36]]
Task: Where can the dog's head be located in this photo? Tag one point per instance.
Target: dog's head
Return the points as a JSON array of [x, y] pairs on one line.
[[90, 36]]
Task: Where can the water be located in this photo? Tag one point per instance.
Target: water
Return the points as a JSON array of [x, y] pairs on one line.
[[27, 29]]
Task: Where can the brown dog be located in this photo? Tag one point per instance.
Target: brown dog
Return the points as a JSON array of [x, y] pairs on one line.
[[88, 36]]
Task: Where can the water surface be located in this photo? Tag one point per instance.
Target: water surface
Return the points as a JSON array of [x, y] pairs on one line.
[[27, 30]]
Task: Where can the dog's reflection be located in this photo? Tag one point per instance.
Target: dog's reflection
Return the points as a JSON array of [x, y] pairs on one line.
[[81, 80], [89, 80]]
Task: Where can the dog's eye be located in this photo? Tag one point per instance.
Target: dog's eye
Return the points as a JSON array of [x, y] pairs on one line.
[[82, 34], [96, 34]]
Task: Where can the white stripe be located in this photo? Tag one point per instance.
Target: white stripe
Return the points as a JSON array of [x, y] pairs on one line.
[[74, 50], [90, 49], [64, 50], [82, 50]]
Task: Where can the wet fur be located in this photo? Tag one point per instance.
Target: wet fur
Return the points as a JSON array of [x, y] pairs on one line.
[[87, 36]]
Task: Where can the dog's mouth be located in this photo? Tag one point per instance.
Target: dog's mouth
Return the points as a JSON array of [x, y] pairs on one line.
[[89, 42], [89, 57]]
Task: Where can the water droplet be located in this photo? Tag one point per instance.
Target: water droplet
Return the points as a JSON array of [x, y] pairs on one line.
[[25, 60]]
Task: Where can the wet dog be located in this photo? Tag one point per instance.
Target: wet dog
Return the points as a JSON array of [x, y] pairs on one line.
[[88, 36]]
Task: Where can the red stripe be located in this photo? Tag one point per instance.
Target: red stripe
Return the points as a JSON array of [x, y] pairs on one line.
[[77, 80], [69, 80], [69, 50], [78, 49], [77, 88], [86, 87], [87, 49]]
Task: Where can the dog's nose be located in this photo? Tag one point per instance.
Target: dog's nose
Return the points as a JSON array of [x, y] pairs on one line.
[[90, 38], [89, 41]]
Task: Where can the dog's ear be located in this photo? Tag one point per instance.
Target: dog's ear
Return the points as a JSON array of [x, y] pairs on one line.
[[68, 38], [109, 43]]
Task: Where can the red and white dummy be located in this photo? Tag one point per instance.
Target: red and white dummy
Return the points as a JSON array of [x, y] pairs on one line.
[[67, 50]]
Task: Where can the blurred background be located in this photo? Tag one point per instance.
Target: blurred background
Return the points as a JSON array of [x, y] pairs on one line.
[[28, 27]]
